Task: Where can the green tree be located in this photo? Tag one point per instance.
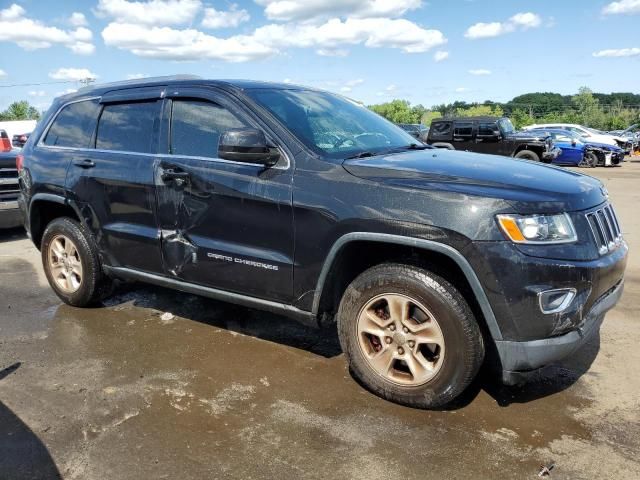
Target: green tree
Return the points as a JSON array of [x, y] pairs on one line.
[[429, 116], [397, 111], [480, 111], [21, 110]]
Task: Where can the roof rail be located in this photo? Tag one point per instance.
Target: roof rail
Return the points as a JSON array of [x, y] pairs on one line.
[[139, 81]]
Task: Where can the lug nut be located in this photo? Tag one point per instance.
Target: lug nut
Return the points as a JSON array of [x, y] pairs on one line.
[[388, 340], [401, 350], [392, 327], [405, 330], [412, 343]]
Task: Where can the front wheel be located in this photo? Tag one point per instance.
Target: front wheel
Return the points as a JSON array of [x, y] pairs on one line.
[[590, 160], [527, 155], [409, 335]]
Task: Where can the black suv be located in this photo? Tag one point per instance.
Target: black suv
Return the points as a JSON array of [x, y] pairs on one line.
[[493, 135], [305, 203]]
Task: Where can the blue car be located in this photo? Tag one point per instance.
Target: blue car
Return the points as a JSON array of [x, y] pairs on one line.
[[576, 151]]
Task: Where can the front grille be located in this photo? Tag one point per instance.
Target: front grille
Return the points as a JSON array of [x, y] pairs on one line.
[[9, 173], [9, 183], [605, 228]]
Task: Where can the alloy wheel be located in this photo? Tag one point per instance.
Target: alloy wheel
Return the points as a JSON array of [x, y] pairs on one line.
[[65, 264]]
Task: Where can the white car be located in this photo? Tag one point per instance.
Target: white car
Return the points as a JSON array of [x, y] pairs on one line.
[[585, 132]]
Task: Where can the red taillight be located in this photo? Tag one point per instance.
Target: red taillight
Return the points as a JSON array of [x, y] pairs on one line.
[[19, 162], [5, 145]]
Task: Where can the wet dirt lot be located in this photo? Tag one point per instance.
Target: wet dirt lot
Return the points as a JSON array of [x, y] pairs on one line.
[[215, 391]]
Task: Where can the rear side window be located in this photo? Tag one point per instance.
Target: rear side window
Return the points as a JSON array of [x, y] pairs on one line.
[[440, 129], [463, 129], [127, 127], [196, 126], [74, 125]]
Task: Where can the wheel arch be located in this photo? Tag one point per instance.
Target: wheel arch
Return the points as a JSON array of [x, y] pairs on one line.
[[333, 279], [45, 207]]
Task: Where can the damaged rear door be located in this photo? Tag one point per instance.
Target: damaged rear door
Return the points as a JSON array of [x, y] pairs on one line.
[[224, 224]]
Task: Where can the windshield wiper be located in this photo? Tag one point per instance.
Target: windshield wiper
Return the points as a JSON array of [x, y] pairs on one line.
[[363, 154], [367, 153]]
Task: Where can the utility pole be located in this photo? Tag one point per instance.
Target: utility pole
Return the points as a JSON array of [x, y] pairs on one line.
[[86, 81]]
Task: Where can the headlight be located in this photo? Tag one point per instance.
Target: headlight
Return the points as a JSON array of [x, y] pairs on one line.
[[541, 229]]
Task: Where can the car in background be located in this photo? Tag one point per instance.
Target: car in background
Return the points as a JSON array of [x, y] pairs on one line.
[[19, 140], [5, 144], [17, 127], [492, 135], [577, 152], [416, 130], [588, 134], [10, 214]]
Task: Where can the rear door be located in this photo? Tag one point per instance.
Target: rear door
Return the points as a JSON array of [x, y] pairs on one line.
[[226, 225], [463, 135], [113, 182]]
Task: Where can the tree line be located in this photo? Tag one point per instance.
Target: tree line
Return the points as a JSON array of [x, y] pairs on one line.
[[21, 110], [613, 111]]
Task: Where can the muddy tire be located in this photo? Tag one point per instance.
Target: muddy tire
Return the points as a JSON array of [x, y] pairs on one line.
[[71, 263], [527, 155], [409, 336]]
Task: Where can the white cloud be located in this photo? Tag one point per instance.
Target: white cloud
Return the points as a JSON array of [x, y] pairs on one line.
[[66, 92], [72, 74], [440, 55], [224, 19], [618, 52], [462, 89], [136, 76], [323, 9], [37, 93], [78, 19], [332, 52], [520, 21], [33, 34], [623, 6], [2, 73], [351, 84], [328, 37], [152, 12], [480, 71]]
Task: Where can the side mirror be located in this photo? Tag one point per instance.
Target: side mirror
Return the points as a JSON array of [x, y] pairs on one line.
[[573, 143], [247, 145]]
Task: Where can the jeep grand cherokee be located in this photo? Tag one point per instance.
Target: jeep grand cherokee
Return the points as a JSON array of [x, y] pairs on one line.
[[303, 202]]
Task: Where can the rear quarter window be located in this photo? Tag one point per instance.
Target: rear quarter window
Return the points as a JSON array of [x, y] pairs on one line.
[[440, 130], [462, 129], [74, 125]]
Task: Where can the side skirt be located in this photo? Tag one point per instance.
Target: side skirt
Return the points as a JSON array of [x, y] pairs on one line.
[[302, 316]]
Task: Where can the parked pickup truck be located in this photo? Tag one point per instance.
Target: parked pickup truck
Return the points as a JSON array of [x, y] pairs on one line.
[[306, 203], [493, 135], [10, 215]]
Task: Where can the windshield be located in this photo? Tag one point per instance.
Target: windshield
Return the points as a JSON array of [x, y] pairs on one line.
[[331, 125], [506, 126]]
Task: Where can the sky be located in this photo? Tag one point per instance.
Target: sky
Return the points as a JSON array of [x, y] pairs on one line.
[[427, 52]]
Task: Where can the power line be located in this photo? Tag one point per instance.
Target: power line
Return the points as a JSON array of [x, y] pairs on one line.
[[38, 84]]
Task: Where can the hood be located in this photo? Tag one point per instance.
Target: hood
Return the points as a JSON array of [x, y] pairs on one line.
[[530, 187], [528, 136], [603, 146]]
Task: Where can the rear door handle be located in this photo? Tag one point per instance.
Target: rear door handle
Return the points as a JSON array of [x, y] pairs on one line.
[[84, 163]]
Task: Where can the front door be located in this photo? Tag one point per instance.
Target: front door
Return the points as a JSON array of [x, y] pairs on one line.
[[226, 225]]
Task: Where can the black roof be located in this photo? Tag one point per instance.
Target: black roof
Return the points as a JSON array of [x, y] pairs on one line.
[[482, 118], [102, 88]]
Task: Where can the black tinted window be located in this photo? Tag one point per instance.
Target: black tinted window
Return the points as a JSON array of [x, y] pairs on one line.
[[463, 129], [196, 126], [485, 128], [127, 126], [441, 129], [74, 125]]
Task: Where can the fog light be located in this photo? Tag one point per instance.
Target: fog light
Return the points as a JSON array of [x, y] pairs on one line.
[[555, 301]]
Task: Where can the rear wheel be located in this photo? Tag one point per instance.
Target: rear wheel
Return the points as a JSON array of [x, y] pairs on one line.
[[409, 336], [71, 263], [527, 155]]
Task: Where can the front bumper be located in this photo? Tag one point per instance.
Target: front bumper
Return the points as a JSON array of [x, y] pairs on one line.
[[551, 155], [10, 215], [518, 359]]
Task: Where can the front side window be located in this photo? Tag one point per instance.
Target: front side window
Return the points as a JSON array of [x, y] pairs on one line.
[[331, 125], [74, 125], [506, 127], [196, 126], [127, 127]]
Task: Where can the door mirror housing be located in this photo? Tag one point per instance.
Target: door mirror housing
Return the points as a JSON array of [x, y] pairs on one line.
[[248, 145]]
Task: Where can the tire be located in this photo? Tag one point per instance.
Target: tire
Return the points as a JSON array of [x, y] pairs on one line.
[[71, 263], [527, 155], [455, 356], [590, 160]]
